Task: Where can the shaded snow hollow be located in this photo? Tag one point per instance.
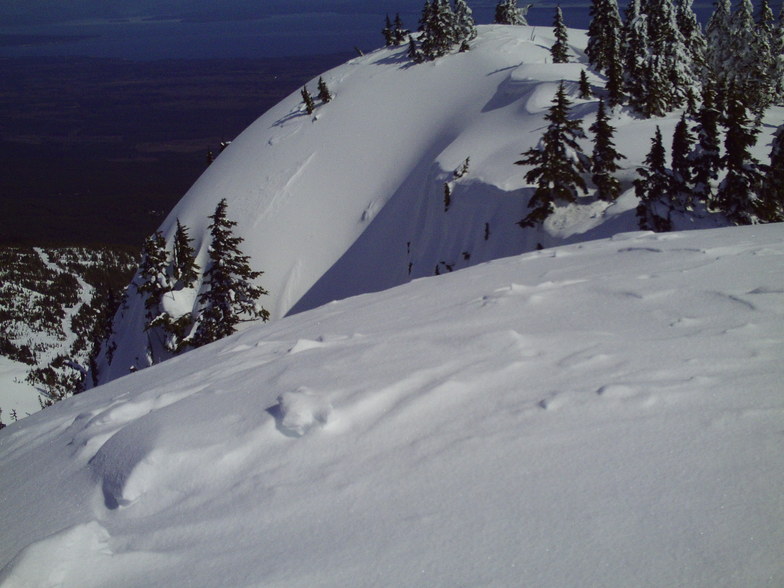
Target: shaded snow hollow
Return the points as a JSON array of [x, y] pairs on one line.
[[599, 414], [351, 199]]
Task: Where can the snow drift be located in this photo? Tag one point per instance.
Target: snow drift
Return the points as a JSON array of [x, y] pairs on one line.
[[598, 414]]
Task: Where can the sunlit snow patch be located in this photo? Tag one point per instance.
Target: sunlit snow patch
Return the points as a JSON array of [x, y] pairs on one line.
[[299, 412]]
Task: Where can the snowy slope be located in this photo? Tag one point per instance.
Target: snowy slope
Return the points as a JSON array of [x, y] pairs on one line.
[[599, 414], [351, 199]]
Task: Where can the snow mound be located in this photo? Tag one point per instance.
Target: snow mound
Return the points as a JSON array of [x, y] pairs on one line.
[[300, 411], [574, 416]]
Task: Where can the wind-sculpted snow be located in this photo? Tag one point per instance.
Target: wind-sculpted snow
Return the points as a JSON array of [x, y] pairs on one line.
[[594, 415]]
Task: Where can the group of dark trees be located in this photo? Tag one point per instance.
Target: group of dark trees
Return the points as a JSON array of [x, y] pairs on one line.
[[658, 61], [441, 28], [324, 95], [226, 296]]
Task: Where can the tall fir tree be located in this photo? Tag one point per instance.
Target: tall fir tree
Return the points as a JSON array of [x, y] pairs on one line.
[[560, 49], [388, 33], [399, 32], [604, 34], [229, 292], [635, 56], [604, 159], [323, 91], [770, 206], [153, 274], [584, 86], [310, 105], [719, 57], [777, 65], [738, 192], [507, 12], [614, 85], [680, 164], [558, 162], [705, 158], [465, 27], [185, 271], [693, 38], [652, 187]]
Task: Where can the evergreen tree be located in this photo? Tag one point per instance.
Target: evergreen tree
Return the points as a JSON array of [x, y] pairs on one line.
[[438, 29], [185, 271], [414, 52], [153, 273], [560, 49], [399, 32], [737, 194], [770, 207], [763, 73], [693, 39], [465, 28], [310, 106], [705, 157], [604, 159], [558, 162], [635, 56], [670, 74], [507, 12], [652, 187], [388, 32], [604, 34], [682, 142], [777, 64], [747, 70], [323, 92], [614, 86], [230, 292], [719, 51], [584, 86]]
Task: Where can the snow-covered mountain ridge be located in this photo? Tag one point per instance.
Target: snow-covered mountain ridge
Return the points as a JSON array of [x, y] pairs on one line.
[[351, 199], [595, 414]]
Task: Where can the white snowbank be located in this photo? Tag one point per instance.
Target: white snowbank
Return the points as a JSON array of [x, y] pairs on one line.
[[601, 414]]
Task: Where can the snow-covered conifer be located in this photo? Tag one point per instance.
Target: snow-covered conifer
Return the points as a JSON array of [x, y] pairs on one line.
[[323, 91], [737, 194], [604, 34], [184, 267], [604, 159], [438, 29], [635, 56], [770, 207], [465, 27], [558, 162], [388, 32], [584, 86], [693, 38], [719, 58], [682, 142], [705, 156], [310, 106], [507, 12], [229, 292], [399, 32], [560, 49], [414, 51], [153, 273], [652, 187]]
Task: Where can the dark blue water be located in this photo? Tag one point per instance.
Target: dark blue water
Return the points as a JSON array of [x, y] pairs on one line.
[[272, 36]]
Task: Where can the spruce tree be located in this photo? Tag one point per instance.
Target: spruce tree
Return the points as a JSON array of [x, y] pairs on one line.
[[185, 271], [635, 56], [584, 86], [388, 33], [560, 49], [604, 34], [465, 27], [558, 160], [614, 85], [323, 92], [229, 292], [770, 207], [719, 56], [399, 32], [737, 194], [705, 156], [310, 106], [507, 12], [153, 273], [682, 142], [414, 51], [652, 187], [693, 39], [604, 159]]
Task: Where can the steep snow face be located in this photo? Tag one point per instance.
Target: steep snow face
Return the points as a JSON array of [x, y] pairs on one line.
[[351, 199], [583, 415]]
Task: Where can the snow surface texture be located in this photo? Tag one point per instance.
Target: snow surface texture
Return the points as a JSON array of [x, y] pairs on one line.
[[351, 199], [599, 414]]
